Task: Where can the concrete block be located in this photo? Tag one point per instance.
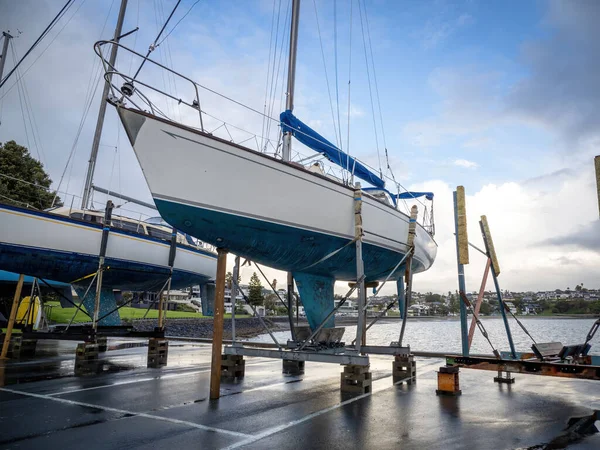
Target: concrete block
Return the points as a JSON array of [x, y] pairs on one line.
[[233, 366], [404, 369], [158, 352], [86, 359], [355, 379], [291, 367]]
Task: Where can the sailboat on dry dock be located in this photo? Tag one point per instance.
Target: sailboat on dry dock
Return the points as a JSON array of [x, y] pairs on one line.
[[274, 211], [99, 253]]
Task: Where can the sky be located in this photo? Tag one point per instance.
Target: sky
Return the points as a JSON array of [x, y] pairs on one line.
[[500, 97]]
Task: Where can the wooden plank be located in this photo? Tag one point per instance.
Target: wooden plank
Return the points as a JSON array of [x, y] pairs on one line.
[[490, 245], [13, 315], [463, 238]]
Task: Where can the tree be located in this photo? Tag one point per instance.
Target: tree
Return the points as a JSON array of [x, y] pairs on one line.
[[430, 297], [229, 279], [255, 289], [454, 305], [29, 183], [271, 302], [485, 308]]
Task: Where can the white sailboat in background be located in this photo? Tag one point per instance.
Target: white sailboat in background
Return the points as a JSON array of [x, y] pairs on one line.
[[63, 244], [275, 211]]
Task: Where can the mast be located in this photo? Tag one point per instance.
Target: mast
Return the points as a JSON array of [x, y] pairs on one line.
[[289, 103], [101, 113], [4, 56]]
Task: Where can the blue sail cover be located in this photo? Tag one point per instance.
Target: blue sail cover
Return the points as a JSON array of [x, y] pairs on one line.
[[408, 195], [318, 143]]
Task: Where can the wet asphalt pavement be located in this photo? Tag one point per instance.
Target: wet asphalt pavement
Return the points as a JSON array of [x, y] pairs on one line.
[[42, 405]]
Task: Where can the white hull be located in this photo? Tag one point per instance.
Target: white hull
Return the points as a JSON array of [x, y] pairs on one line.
[[50, 234], [194, 169]]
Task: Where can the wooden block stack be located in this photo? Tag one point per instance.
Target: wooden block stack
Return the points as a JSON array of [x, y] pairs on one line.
[[448, 381], [102, 343], [19, 347], [356, 379], [233, 366], [86, 358], [404, 369], [291, 367], [158, 352]]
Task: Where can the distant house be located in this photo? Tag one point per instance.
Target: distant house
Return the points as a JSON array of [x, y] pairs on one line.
[[511, 307], [418, 310]]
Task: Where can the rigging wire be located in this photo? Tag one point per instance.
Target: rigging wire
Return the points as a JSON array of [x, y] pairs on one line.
[[154, 44], [35, 132], [370, 88], [92, 87], [274, 74], [179, 21], [284, 72], [157, 20], [58, 16], [264, 121], [335, 58], [376, 86], [169, 62], [335, 128], [23, 73], [349, 88]]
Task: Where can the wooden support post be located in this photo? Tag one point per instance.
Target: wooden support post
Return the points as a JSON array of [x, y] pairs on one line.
[[13, 315], [495, 269], [479, 300], [462, 257], [360, 268], [215, 367]]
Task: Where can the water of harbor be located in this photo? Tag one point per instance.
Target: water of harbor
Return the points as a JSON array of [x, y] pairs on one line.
[[443, 335]]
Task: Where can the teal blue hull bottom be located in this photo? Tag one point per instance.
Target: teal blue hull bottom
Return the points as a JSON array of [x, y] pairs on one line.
[[286, 248]]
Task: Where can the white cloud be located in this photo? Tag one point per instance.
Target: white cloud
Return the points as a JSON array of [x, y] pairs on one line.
[[441, 27], [466, 163]]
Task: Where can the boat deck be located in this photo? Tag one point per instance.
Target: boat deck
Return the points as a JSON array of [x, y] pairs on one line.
[[129, 406]]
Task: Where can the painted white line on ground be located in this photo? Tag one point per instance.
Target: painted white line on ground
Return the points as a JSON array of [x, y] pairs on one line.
[[140, 380], [131, 413], [121, 383], [270, 431]]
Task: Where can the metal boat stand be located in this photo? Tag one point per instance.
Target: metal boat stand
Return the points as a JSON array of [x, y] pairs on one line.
[[321, 344], [551, 359]]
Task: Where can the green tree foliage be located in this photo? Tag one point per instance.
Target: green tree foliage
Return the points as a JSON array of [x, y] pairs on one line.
[[430, 297], [485, 308], [255, 289], [454, 305], [271, 302], [17, 163], [229, 279]]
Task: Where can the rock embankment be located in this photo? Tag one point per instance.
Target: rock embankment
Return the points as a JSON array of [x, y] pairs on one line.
[[203, 328]]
